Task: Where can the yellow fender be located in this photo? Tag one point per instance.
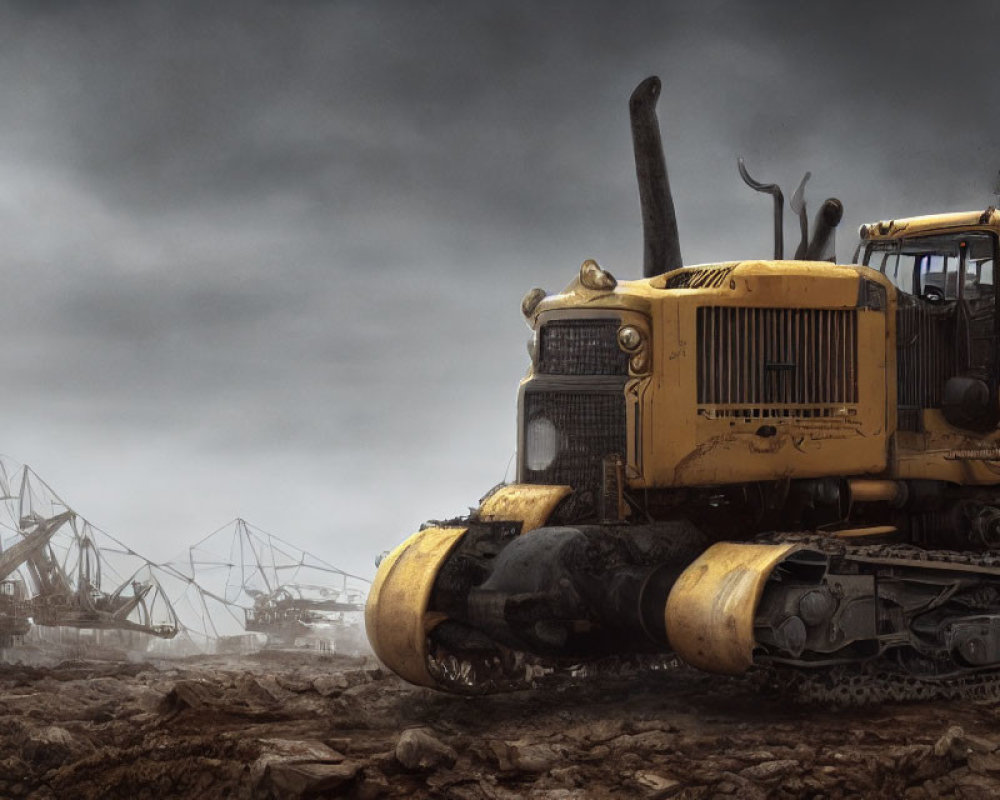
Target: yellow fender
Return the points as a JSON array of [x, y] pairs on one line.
[[528, 503], [711, 608], [396, 614]]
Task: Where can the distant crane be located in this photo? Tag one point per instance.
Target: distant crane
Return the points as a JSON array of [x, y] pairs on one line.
[[51, 572]]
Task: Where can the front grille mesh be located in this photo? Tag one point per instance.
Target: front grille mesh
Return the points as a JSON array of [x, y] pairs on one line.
[[777, 361], [590, 426], [581, 347]]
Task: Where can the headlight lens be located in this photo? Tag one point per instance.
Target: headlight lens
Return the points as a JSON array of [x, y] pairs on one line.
[[629, 338], [541, 443]]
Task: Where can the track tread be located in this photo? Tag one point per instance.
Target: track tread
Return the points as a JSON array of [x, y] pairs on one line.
[[881, 680]]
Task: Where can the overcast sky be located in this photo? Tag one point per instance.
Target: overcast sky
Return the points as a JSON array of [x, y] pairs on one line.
[[265, 259]]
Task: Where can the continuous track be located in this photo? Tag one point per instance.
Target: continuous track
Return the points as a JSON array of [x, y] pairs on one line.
[[879, 680]]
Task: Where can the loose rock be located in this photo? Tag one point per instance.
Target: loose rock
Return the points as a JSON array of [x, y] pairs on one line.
[[770, 771], [952, 744], [656, 786], [284, 727], [293, 781], [329, 685], [419, 749], [52, 746]]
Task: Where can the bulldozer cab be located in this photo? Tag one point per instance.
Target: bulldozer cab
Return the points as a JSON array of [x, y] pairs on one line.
[[948, 325]]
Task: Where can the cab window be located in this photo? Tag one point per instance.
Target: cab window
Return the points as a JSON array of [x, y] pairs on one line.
[[937, 268]]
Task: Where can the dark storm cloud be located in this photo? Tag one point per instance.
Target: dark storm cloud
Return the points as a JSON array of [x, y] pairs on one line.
[[265, 258]]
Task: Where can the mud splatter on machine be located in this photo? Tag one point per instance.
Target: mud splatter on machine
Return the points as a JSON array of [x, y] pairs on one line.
[[791, 464]]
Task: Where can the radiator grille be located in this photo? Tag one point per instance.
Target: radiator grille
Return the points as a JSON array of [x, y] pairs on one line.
[[588, 426], [581, 347], [777, 361], [925, 347]]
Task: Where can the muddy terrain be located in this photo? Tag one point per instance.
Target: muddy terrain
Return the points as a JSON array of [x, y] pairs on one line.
[[284, 725]]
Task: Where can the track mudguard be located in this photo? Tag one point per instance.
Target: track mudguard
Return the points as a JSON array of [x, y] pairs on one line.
[[710, 610], [396, 615], [528, 503]]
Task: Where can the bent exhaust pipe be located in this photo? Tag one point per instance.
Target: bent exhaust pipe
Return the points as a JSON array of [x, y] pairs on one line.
[[661, 243], [779, 207], [798, 204]]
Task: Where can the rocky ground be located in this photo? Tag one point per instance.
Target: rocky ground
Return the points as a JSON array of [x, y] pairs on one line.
[[284, 725]]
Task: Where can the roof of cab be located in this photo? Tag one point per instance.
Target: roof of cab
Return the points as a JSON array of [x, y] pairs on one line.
[[932, 223]]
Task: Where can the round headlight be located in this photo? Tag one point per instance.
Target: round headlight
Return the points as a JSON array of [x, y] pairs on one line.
[[541, 442], [629, 338]]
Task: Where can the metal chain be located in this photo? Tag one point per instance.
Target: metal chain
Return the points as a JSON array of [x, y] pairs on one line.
[[876, 683], [881, 681], [831, 545]]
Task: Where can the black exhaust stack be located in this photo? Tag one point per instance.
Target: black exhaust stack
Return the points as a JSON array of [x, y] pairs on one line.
[[822, 245], [779, 207], [661, 243]]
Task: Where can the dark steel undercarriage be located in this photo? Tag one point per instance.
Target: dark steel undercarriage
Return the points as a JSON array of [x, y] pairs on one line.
[[922, 604]]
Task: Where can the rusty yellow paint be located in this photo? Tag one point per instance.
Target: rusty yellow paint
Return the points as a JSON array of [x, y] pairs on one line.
[[874, 491], [528, 503], [627, 296], [674, 441], [865, 533], [764, 284], [925, 455], [397, 618], [710, 610], [931, 224]]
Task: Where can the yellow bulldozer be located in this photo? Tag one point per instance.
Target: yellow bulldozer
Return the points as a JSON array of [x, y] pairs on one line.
[[788, 465]]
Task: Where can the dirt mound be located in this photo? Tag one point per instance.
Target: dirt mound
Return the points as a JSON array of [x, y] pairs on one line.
[[292, 726]]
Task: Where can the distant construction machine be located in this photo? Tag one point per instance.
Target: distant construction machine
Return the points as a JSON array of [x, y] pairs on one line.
[[250, 581], [15, 607], [47, 586], [294, 611]]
